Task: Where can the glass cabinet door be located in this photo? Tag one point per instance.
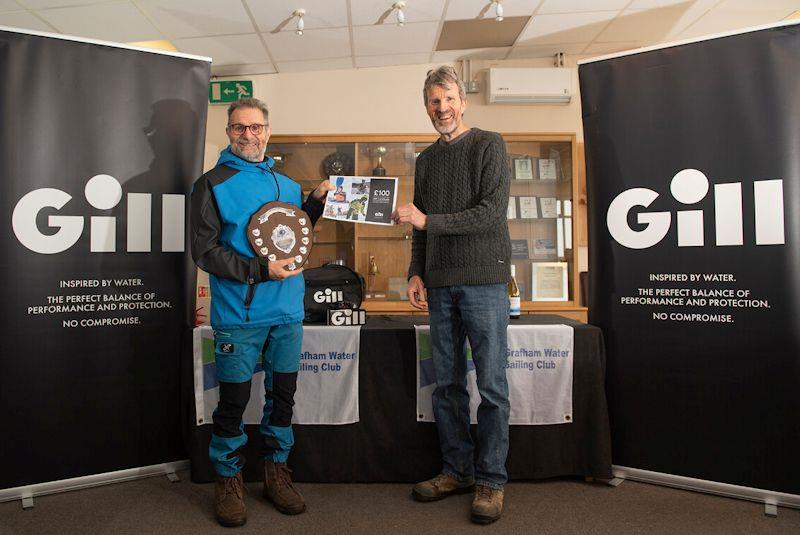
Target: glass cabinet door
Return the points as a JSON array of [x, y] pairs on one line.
[[540, 218], [540, 213], [309, 164], [382, 252]]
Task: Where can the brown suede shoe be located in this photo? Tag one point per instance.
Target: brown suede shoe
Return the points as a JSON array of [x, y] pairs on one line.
[[487, 505], [279, 490], [440, 487], [229, 506]]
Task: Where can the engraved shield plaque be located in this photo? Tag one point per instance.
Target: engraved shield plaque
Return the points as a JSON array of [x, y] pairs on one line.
[[281, 231]]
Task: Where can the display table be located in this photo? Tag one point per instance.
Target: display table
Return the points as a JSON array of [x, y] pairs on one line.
[[388, 444]]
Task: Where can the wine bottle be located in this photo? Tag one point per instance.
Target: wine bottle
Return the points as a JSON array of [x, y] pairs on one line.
[[513, 295]]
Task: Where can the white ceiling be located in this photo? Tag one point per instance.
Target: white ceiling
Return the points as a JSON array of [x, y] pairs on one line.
[[257, 36]]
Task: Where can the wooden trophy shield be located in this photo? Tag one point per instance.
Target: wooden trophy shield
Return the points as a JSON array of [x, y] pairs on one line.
[[281, 231]]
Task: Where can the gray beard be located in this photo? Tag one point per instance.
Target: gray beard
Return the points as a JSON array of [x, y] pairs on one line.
[[250, 159], [445, 130]]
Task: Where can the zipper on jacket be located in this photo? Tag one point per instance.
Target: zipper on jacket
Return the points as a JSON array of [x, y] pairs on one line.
[[251, 291]]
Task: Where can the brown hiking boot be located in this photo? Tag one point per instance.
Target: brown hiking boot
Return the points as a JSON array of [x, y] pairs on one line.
[[279, 490], [229, 506], [487, 505], [440, 487]]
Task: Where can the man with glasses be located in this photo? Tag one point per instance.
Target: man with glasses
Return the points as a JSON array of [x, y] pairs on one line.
[[256, 309], [460, 254]]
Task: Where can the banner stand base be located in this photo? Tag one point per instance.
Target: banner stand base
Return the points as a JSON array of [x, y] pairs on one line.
[[770, 499], [28, 492]]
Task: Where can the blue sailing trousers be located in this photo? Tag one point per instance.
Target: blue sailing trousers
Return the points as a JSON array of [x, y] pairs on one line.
[[237, 353]]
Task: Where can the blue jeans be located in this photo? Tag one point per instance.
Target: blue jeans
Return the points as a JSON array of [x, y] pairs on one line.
[[237, 351], [478, 313]]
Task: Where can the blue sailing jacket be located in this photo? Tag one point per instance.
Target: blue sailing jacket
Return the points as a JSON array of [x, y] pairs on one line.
[[223, 201]]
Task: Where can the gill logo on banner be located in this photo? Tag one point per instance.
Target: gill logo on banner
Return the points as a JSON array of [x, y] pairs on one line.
[[103, 192], [690, 186]]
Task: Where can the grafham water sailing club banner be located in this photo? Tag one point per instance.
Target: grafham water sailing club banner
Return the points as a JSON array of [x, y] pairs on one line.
[[694, 212], [99, 146], [327, 381], [539, 368]]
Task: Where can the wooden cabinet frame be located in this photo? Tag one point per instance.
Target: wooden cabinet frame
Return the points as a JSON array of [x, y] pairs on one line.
[[362, 238]]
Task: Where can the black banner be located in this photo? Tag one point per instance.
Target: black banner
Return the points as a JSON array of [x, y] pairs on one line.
[[694, 212], [99, 147]]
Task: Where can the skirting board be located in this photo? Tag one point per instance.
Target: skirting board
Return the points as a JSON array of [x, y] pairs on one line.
[[711, 487], [84, 482]]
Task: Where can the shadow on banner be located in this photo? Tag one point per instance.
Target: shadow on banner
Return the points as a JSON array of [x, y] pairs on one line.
[[99, 147]]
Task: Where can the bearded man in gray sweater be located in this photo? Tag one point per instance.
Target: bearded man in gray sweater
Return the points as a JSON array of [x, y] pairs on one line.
[[461, 255]]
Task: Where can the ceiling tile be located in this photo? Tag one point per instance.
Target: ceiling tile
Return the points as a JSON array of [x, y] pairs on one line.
[[313, 44], [394, 59], [381, 40], [546, 51], [718, 21], [367, 12], [688, 4], [653, 25], [276, 16], [572, 28], [749, 5], [23, 20], [473, 9], [103, 21], [226, 50], [451, 56], [197, 18], [335, 64], [44, 4], [239, 70], [599, 49], [9, 5], [480, 33], [575, 6], [687, 19]]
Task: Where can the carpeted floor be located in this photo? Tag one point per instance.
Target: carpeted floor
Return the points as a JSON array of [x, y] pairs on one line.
[[154, 506]]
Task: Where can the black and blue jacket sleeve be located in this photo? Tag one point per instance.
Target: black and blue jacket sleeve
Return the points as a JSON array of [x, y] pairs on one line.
[[207, 252]]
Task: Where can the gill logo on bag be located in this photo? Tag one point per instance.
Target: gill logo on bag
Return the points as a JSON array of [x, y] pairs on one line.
[[328, 296], [104, 193], [690, 186]]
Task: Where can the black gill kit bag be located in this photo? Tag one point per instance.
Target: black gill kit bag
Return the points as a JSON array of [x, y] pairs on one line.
[[331, 286]]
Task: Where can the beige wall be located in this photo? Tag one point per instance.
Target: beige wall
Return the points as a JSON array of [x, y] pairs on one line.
[[384, 100]]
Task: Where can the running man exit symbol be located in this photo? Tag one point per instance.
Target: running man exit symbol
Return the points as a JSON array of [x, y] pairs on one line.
[[229, 91]]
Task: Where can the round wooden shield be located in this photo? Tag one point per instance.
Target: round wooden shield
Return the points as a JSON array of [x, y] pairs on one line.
[[279, 231]]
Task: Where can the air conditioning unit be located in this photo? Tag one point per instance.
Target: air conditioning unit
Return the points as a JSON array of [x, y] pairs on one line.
[[530, 86]]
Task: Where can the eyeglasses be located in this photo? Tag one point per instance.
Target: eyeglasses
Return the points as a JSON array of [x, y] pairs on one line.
[[239, 128]]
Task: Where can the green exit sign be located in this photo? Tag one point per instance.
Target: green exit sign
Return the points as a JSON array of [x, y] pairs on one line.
[[229, 90]]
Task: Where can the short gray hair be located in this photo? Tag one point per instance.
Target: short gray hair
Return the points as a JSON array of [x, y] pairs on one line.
[[249, 103], [443, 77]]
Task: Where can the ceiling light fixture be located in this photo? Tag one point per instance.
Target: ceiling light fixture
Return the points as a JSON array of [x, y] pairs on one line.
[[401, 17], [498, 10], [299, 13]]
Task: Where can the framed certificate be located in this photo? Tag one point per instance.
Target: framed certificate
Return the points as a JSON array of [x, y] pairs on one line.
[[527, 208], [547, 169], [519, 250], [511, 213], [523, 169], [549, 207], [549, 281]]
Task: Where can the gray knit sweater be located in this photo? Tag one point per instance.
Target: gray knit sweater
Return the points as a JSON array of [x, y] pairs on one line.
[[463, 187]]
